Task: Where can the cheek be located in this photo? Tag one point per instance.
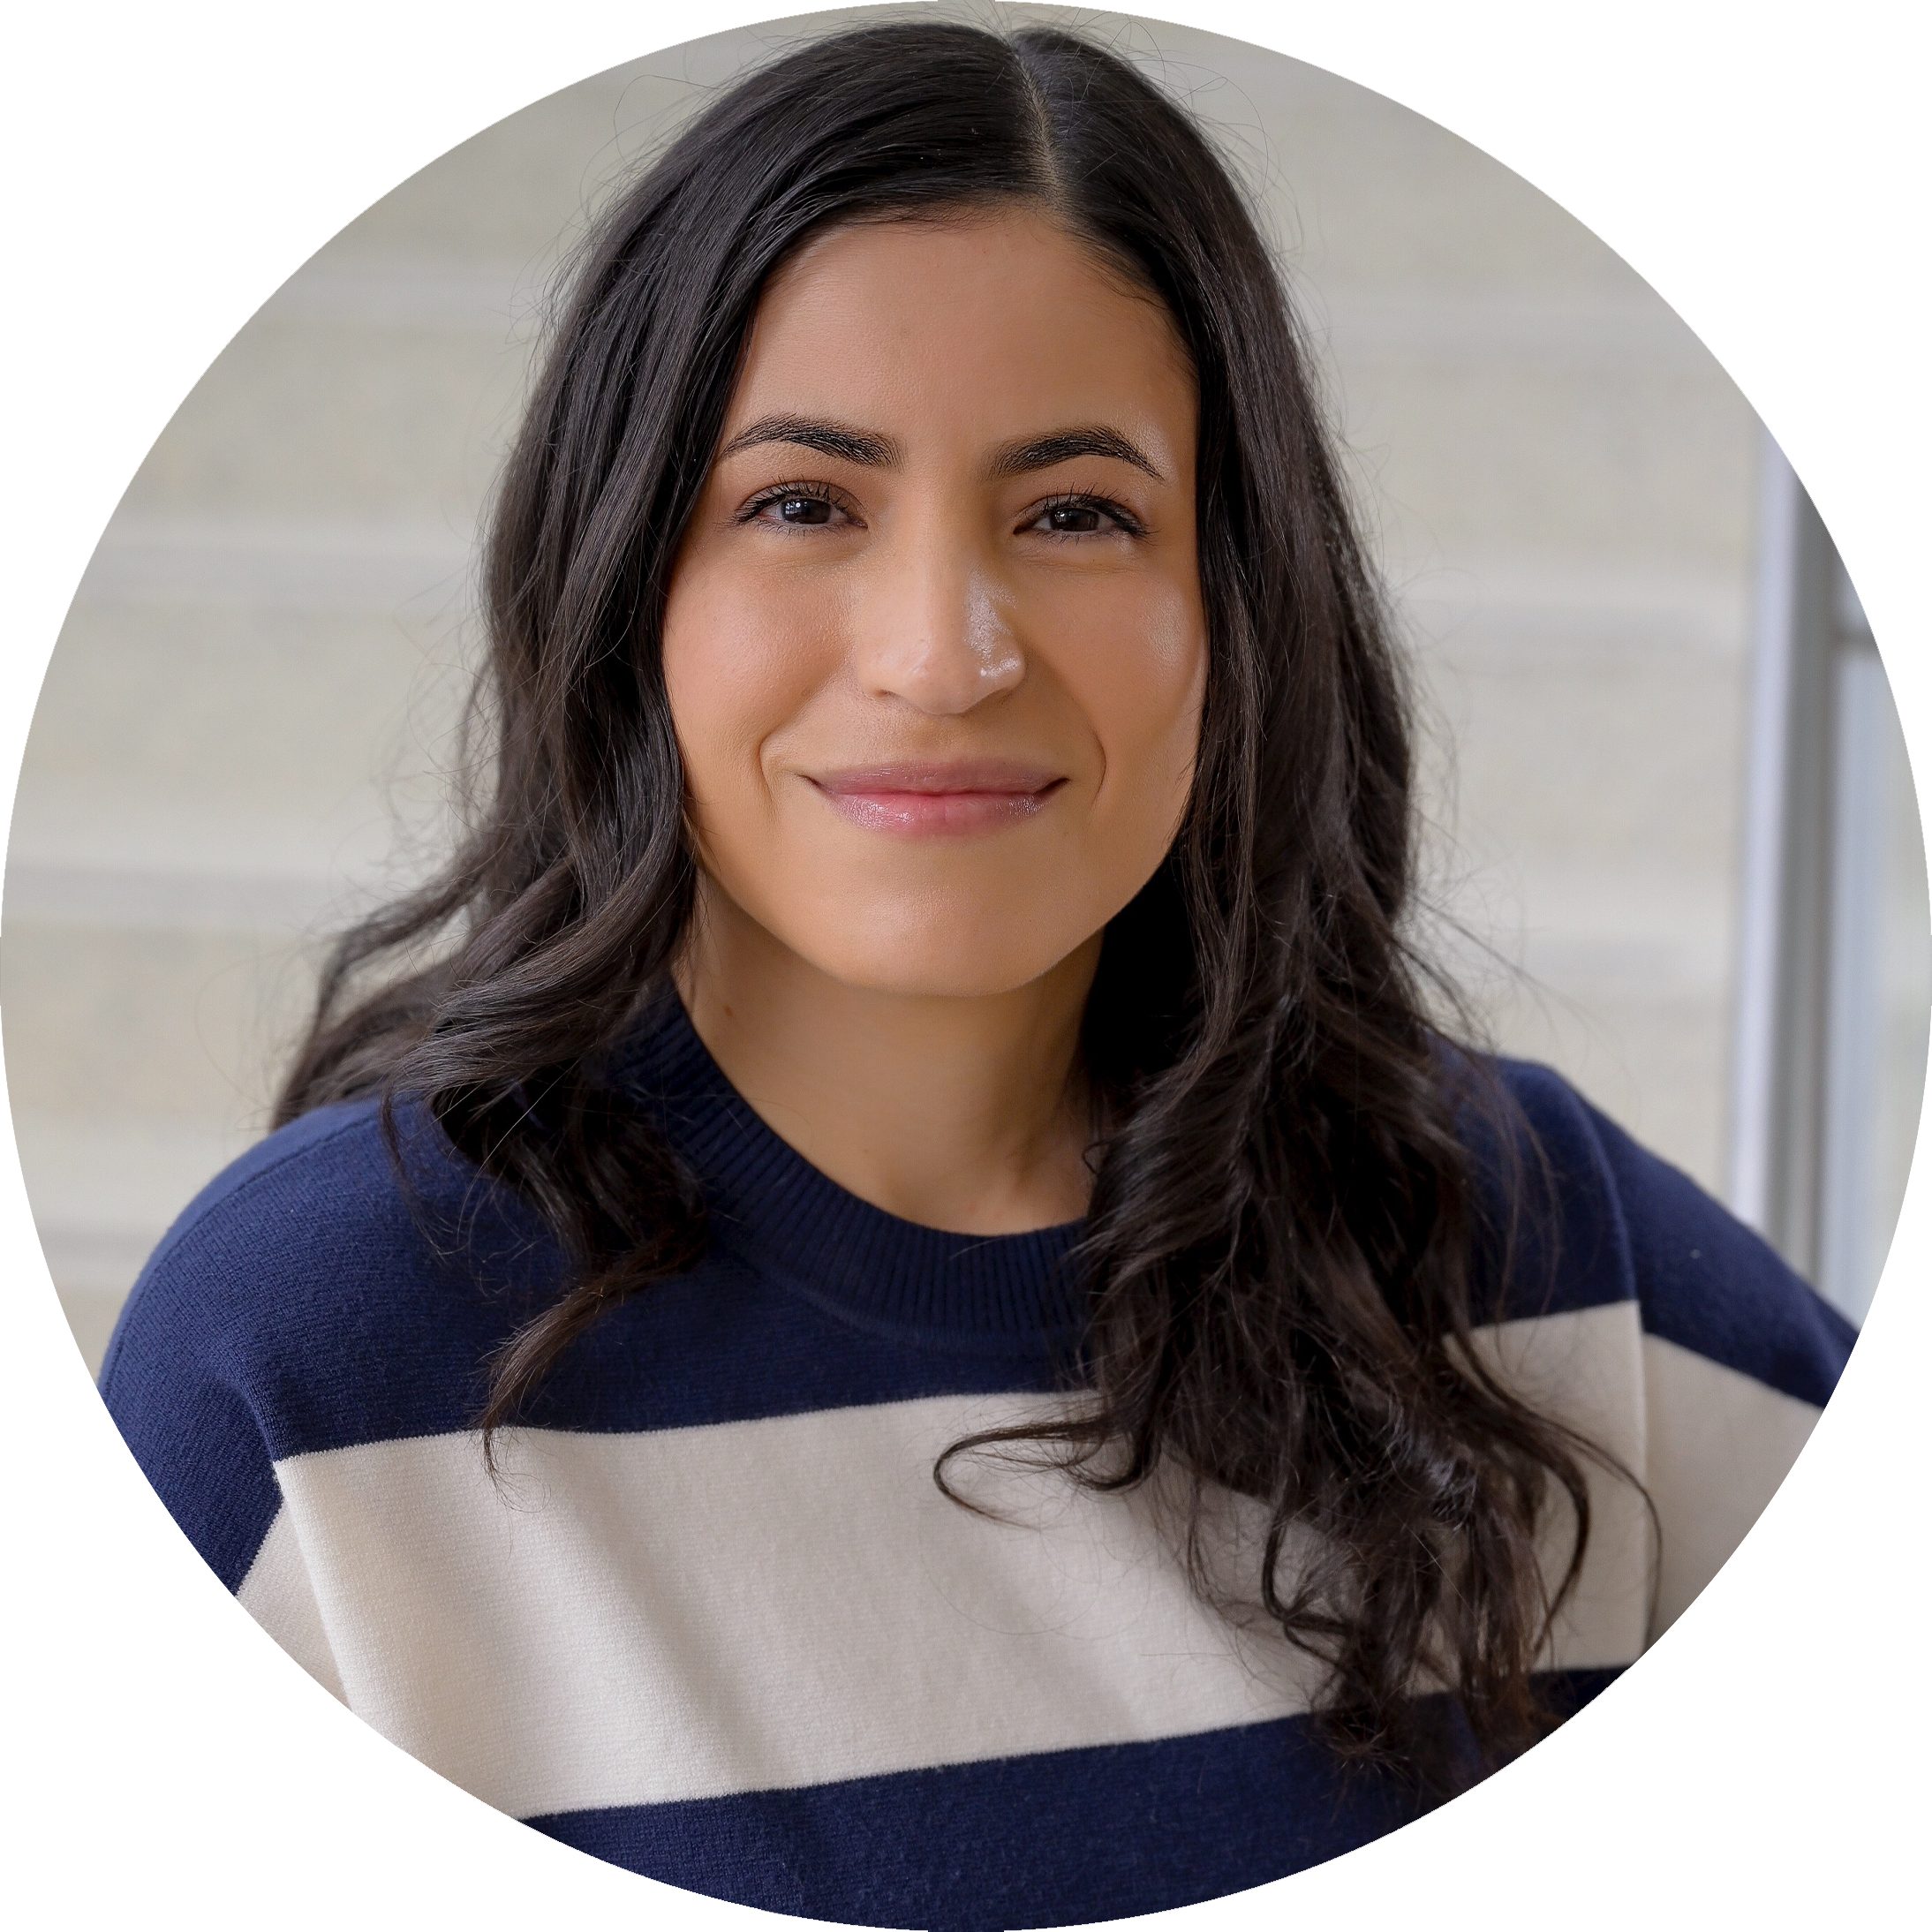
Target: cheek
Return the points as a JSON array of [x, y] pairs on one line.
[[739, 662], [1137, 667]]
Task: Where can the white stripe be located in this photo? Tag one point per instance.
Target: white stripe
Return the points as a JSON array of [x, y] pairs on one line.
[[690, 1613], [278, 1593], [1763, 1500], [633, 1618], [1583, 1369]]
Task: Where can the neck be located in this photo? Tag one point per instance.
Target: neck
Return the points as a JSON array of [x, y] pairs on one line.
[[962, 1112]]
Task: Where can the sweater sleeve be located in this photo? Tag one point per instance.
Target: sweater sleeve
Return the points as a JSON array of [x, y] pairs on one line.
[[341, 1284], [170, 1385], [1739, 1356], [180, 1397], [193, 1391]]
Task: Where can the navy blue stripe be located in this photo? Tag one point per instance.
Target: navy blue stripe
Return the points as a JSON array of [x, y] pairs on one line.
[[1189, 1830], [318, 1306], [1058, 1837], [307, 1301], [1551, 1238]]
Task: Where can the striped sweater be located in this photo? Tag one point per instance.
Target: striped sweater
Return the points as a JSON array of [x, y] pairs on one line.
[[713, 1622]]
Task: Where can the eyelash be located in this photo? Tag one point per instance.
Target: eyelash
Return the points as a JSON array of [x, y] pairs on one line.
[[783, 493], [1124, 520]]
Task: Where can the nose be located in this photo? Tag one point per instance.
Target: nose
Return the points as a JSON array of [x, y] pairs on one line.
[[932, 630]]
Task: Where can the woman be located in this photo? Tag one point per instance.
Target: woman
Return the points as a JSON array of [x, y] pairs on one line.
[[927, 998]]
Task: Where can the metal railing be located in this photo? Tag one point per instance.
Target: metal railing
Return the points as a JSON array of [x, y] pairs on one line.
[[1810, 1045]]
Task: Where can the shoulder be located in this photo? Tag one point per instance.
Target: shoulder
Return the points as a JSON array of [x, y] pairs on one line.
[[1551, 1237], [251, 1239], [1598, 1218], [333, 1285], [333, 1219]]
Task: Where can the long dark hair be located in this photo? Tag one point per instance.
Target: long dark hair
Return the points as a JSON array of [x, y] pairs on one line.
[[1277, 1249]]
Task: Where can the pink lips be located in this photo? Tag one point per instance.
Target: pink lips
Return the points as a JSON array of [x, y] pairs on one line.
[[976, 794]]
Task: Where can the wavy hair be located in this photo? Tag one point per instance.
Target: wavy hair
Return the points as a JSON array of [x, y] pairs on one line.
[[1278, 1252]]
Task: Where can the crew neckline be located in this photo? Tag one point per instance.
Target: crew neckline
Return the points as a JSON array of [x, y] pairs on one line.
[[769, 1204]]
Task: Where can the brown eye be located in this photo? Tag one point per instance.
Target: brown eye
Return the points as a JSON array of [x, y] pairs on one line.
[[798, 506], [1085, 516], [1072, 519], [803, 510]]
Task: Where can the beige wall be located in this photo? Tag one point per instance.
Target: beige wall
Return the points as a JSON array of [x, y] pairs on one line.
[[254, 688]]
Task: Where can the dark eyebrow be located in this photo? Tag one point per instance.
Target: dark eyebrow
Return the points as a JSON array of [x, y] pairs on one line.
[[1091, 439], [828, 439]]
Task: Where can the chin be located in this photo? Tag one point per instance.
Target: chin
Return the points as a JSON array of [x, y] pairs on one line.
[[966, 958]]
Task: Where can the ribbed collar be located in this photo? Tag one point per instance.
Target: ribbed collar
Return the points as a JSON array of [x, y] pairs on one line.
[[774, 1210]]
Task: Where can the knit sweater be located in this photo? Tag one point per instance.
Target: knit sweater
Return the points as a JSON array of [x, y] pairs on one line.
[[713, 1621]]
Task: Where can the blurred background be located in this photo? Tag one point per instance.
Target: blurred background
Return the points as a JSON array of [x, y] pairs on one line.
[[298, 274], [1676, 841]]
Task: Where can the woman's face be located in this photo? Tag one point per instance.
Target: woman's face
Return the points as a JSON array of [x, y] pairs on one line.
[[934, 642]]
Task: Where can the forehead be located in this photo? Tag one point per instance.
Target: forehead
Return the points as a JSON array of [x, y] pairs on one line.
[[982, 327]]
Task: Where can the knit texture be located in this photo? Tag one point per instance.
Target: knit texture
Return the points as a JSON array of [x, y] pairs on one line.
[[715, 1624]]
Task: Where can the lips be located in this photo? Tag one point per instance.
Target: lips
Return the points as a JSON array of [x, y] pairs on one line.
[[977, 795]]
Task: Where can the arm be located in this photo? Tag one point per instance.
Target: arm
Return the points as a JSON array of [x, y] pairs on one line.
[[1739, 1356], [185, 1382]]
